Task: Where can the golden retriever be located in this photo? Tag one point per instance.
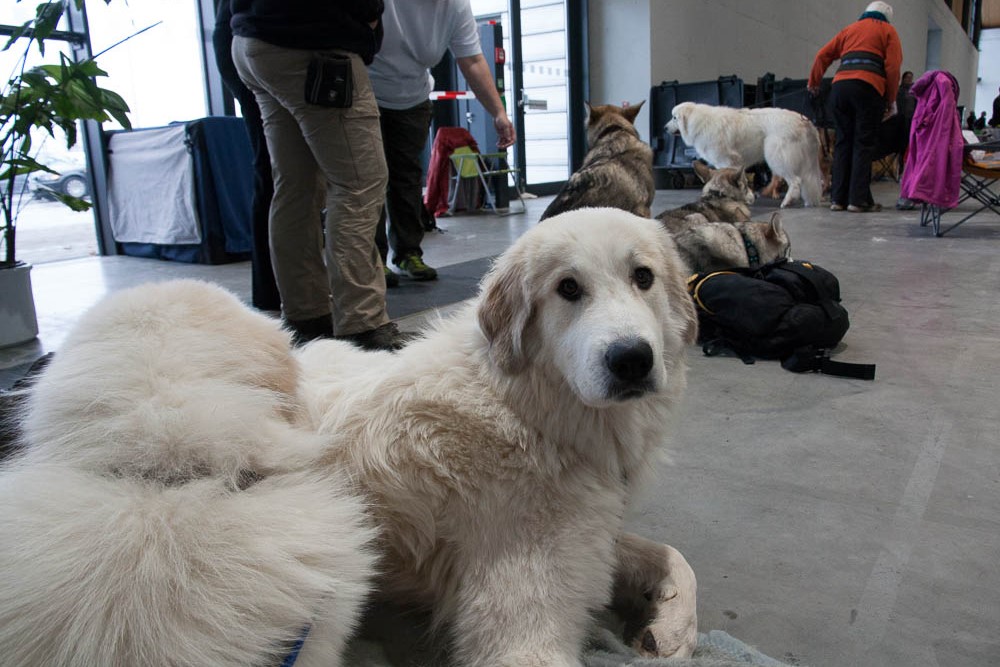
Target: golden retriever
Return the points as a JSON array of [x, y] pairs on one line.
[[500, 451]]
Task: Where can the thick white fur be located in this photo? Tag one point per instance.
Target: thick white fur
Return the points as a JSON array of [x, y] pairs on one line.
[[499, 465], [728, 137], [167, 509]]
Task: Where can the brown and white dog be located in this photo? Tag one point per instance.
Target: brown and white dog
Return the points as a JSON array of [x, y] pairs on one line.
[[617, 170], [725, 197]]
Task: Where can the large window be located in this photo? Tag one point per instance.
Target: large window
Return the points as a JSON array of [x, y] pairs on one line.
[[158, 72]]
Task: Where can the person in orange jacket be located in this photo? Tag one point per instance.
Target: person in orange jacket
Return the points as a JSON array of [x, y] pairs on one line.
[[863, 95]]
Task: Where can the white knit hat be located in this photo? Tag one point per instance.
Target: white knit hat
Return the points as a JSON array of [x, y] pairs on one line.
[[882, 8]]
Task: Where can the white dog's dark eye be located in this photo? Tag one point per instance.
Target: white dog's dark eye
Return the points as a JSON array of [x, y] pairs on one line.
[[643, 278], [569, 289]]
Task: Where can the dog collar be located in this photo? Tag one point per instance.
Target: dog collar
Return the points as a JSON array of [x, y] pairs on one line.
[[753, 255]]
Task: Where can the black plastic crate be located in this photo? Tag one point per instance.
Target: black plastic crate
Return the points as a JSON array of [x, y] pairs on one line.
[[794, 94], [671, 156]]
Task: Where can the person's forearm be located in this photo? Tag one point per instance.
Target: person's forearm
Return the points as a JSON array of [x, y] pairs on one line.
[[480, 78]]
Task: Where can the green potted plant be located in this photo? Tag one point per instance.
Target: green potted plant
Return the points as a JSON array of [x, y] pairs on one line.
[[36, 101]]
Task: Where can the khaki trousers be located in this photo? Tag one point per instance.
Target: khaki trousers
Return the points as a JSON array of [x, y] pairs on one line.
[[320, 156]]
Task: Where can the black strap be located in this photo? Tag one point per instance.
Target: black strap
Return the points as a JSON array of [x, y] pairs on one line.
[[862, 60], [817, 360], [716, 346]]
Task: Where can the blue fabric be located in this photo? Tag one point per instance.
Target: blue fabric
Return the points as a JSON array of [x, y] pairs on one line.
[[223, 181], [223, 163], [293, 655], [878, 16], [191, 254]]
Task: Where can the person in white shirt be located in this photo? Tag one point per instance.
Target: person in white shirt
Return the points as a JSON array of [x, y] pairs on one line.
[[417, 35]]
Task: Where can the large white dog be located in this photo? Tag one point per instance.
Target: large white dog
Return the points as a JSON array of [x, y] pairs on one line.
[[190, 493], [501, 450], [726, 137], [166, 510]]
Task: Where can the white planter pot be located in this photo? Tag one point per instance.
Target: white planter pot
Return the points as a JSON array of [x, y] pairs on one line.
[[18, 323]]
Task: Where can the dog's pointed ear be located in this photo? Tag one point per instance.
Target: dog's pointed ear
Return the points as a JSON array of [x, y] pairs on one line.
[[702, 170], [503, 313], [590, 109], [734, 174], [631, 111], [774, 229]]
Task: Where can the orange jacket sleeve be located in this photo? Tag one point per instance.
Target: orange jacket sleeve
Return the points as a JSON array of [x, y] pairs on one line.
[[823, 58]]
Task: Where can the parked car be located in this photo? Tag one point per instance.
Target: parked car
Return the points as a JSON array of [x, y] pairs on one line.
[[72, 182]]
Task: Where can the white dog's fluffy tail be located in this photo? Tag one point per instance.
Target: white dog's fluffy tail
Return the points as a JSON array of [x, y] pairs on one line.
[[162, 512], [812, 175], [98, 570]]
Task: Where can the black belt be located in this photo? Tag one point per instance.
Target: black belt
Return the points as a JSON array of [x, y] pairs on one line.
[[862, 60]]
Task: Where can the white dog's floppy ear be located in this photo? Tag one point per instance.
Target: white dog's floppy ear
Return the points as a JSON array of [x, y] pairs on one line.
[[504, 311], [676, 285]]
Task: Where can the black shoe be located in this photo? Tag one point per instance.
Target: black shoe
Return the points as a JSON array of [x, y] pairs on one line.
[[870, 208], [387, 337], [304, 331], [391, 278]]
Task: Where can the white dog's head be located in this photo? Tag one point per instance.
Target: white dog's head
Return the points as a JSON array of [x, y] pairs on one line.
[[678, 118], [595, 296]]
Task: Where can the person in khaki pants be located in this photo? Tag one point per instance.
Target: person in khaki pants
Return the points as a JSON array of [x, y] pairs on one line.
[[326, 152]]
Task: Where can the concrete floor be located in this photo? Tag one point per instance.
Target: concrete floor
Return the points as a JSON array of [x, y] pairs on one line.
[[831, 522]]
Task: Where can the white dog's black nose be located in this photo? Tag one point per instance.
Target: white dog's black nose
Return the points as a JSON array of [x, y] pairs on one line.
[[629, 360]]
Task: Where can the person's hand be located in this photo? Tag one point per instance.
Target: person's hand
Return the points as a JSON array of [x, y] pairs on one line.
[[813, 90], [505, 131], [890, 111]]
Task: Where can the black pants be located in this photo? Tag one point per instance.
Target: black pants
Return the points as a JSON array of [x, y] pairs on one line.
[[404, 135], [264, 289], [857, 112]]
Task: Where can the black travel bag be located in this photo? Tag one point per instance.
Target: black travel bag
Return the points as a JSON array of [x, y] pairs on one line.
[[787, 310]]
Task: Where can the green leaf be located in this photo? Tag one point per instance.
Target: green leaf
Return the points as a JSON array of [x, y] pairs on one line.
[[18, 34], [47, 16], [75, 203]]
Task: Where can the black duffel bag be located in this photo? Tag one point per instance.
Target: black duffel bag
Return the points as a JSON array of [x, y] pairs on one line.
[[787, 310]]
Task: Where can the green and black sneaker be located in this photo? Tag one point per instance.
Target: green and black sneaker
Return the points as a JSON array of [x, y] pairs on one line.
[[414, 267]]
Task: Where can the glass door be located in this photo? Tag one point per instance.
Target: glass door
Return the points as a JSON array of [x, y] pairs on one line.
[[536, 85]]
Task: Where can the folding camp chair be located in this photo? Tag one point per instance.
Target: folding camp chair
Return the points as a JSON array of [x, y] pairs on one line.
[[886, 166], [890, 143], [491, 171], [980, 173]]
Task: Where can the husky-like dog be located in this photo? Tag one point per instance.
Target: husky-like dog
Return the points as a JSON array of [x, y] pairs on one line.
[[726, 137], [714, 246], [617, 170], [726, 196]]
